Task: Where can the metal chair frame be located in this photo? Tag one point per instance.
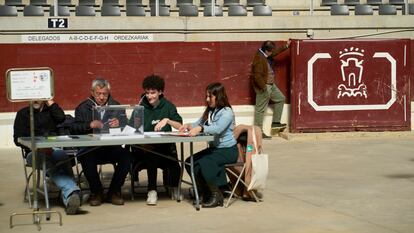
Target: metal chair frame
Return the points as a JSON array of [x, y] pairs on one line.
[[41, 173], [238, 181]]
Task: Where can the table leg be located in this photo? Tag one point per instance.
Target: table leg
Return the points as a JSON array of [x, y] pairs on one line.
[[197, 203], [181, 172]]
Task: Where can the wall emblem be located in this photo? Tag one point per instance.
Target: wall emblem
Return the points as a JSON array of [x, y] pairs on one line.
[[352, 84], [351, 70]]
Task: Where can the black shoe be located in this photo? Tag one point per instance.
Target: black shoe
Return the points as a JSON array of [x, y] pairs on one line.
[[115, 198], [278, 125], [226, 189], [264, 136], [95, 199], [73, 203], [216, 199]]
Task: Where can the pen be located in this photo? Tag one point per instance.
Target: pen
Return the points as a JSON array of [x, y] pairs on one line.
[[108, 121]]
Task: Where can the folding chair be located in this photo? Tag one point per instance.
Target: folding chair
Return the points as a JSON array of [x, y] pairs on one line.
[[72, 152], [238, 181], [234, 171], [41, 177], [136, 167]]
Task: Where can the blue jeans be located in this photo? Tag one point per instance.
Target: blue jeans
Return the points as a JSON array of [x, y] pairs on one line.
[[61, 175]]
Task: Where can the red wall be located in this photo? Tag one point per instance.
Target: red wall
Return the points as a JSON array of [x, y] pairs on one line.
[[186, 66]]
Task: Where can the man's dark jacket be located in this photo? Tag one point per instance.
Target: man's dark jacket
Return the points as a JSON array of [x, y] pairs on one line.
[[45, 122], [84, 115]]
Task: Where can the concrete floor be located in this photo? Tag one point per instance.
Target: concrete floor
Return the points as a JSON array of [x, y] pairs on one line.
[[354, 182]]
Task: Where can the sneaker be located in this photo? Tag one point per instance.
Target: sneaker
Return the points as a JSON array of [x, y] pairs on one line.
[[73, 203], [95, 199], [278, 125], [152, 197], [115, 198], [264, 136]]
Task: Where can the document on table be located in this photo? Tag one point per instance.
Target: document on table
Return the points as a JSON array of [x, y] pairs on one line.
[[180, 134], [154, 134], [116, 133]]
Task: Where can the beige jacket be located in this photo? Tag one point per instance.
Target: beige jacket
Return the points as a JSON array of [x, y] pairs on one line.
[[245, 154]]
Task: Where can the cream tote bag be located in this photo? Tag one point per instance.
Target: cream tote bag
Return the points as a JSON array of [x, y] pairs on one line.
[[260, 168]]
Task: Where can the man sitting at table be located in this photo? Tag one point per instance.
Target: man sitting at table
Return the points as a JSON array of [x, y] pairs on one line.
[[47, 115], [159, 115], [91, 157]]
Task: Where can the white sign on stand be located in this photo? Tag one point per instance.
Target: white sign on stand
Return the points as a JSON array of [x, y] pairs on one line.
[[30, 84], [25, 84]]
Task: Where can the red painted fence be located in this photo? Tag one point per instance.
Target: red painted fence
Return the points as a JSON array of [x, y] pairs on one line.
[[347, 85]]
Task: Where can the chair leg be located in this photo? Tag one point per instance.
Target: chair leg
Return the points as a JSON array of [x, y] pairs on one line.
[[235, 185], [100, 171], [78, 174], [132, 177], [254, 196], [27, 195], [46, 193], [251, 192]]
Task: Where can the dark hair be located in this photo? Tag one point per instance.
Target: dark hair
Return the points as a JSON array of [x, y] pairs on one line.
[[153, 82], [268, 46], [218, 90]]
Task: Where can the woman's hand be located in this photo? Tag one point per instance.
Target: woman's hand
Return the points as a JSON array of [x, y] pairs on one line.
[[195, 131], [185, 128]]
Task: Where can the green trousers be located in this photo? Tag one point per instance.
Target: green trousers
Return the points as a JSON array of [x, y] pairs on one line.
[[209, 164], [262, 101]]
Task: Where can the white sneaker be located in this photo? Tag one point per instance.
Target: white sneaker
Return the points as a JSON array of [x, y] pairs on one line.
[[152, 197]]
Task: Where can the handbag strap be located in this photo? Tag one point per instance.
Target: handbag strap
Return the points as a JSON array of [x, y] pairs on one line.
[[254, 140]]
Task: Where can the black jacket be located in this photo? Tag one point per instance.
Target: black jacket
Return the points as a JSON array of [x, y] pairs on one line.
[[84, 115], [45, 122]]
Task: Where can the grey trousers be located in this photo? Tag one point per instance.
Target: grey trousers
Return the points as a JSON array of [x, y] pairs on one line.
[[262, 101]]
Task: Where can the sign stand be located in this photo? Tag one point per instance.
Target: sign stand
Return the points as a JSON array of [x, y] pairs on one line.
[[29, 84]]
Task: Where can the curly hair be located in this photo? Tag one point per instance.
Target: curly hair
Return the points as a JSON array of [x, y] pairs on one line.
[[153, 82]]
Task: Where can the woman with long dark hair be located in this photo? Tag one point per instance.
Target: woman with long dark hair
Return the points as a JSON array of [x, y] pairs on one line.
[[218, 120]]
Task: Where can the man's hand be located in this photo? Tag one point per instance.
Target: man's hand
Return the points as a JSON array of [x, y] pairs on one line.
[[96, 124], [161, 124], [288, 43], [113, 123], [49, 102]]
